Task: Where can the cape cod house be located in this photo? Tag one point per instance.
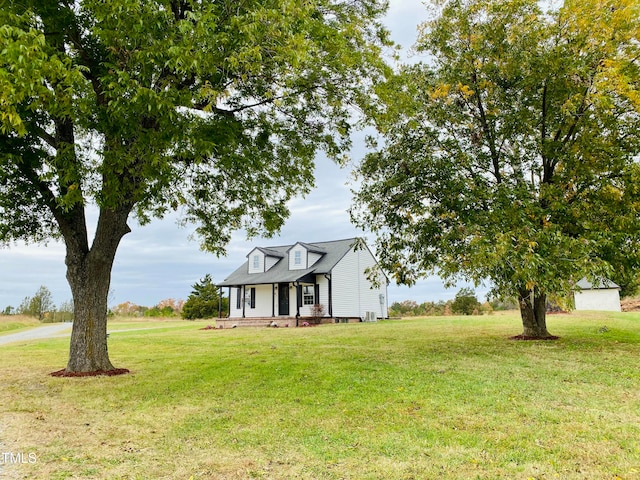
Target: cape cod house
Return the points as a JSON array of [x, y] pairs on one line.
[[323, 282]]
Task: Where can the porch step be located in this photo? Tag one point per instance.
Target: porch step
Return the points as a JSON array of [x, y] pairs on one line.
[[282, 322]]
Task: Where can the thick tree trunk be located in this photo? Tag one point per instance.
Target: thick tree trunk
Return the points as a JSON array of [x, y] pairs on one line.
[[533, 310], [90, 287], [89, 275]]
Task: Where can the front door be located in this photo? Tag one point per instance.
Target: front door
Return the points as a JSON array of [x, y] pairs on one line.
[[283, 299]]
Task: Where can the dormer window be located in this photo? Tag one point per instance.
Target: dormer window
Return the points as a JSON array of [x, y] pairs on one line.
[[260, 260], [298, 258]]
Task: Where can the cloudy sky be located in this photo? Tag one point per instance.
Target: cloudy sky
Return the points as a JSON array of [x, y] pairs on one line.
[[160, 261]]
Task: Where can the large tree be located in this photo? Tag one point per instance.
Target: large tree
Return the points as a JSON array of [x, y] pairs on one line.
[[214, 109], [510, 154]]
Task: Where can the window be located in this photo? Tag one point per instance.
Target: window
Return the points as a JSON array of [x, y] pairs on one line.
[[297, 259], [239, 298], [308, 297], [256, 262]]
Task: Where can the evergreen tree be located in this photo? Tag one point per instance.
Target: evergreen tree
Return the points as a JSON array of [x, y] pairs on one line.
[[205, 301]]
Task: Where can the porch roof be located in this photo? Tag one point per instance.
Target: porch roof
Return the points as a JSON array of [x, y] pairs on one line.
[[279, 273]]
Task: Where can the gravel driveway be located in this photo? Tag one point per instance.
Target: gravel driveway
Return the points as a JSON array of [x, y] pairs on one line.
[[48, 331]]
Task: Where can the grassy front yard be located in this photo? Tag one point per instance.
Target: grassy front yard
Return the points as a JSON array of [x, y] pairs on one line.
[[446, 397]]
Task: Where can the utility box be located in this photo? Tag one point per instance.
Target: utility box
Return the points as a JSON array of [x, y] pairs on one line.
[[370, 317]]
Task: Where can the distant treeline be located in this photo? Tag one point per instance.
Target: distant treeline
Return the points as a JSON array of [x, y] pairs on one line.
[[203, 302], [464, 303], [41, 306]]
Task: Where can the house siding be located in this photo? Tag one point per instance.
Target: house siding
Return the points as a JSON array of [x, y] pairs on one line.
[[313, 257], [323, 286], [324, 293], [263, 305], [270, 262], [351, 290], [233, 298]]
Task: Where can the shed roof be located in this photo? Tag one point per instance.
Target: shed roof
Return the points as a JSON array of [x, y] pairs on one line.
[[604, 284], [332, 253]]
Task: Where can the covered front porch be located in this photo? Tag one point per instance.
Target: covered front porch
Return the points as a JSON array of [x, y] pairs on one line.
[[306, 297]]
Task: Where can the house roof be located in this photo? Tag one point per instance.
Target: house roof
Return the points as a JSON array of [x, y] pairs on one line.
[[269, 252], [585, 284], [310, 247], [332, 253]]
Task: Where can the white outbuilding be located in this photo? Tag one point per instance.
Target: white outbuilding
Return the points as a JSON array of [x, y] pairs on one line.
[[604, 296]]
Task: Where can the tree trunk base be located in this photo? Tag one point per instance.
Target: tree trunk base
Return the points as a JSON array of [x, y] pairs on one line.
[[108, 373], [528, 337]]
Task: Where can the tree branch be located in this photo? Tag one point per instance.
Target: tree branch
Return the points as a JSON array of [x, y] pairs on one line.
[[45, 136], [495, 155]]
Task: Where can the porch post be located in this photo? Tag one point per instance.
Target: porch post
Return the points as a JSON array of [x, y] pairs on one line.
[[298, 295], [330, 301], [244, 303]]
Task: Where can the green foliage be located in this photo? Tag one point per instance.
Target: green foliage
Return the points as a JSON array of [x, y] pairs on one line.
[[410, 308], [216, 109], [501, 304], [39, 305], [64, 312], [512, 154], [213, 109], [465, 302], [204, 301], [156, 311]]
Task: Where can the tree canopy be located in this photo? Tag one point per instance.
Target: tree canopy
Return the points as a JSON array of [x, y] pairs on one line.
[[510, 156], [465, 302], [204, 301], [214, 110]]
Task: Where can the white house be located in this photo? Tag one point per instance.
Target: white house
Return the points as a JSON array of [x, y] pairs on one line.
[[306, 282], [604, 296]]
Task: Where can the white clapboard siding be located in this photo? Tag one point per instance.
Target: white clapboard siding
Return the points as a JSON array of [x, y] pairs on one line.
[[352, 292]]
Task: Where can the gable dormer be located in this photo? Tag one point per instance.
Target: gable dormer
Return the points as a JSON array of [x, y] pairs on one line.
[[304, 255], [262, 259]]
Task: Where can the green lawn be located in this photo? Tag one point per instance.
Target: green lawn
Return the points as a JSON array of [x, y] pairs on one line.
[[435, 398]]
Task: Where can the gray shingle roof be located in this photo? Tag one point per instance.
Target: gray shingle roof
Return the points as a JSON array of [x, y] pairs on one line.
[[332, 252], [270, 252]]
